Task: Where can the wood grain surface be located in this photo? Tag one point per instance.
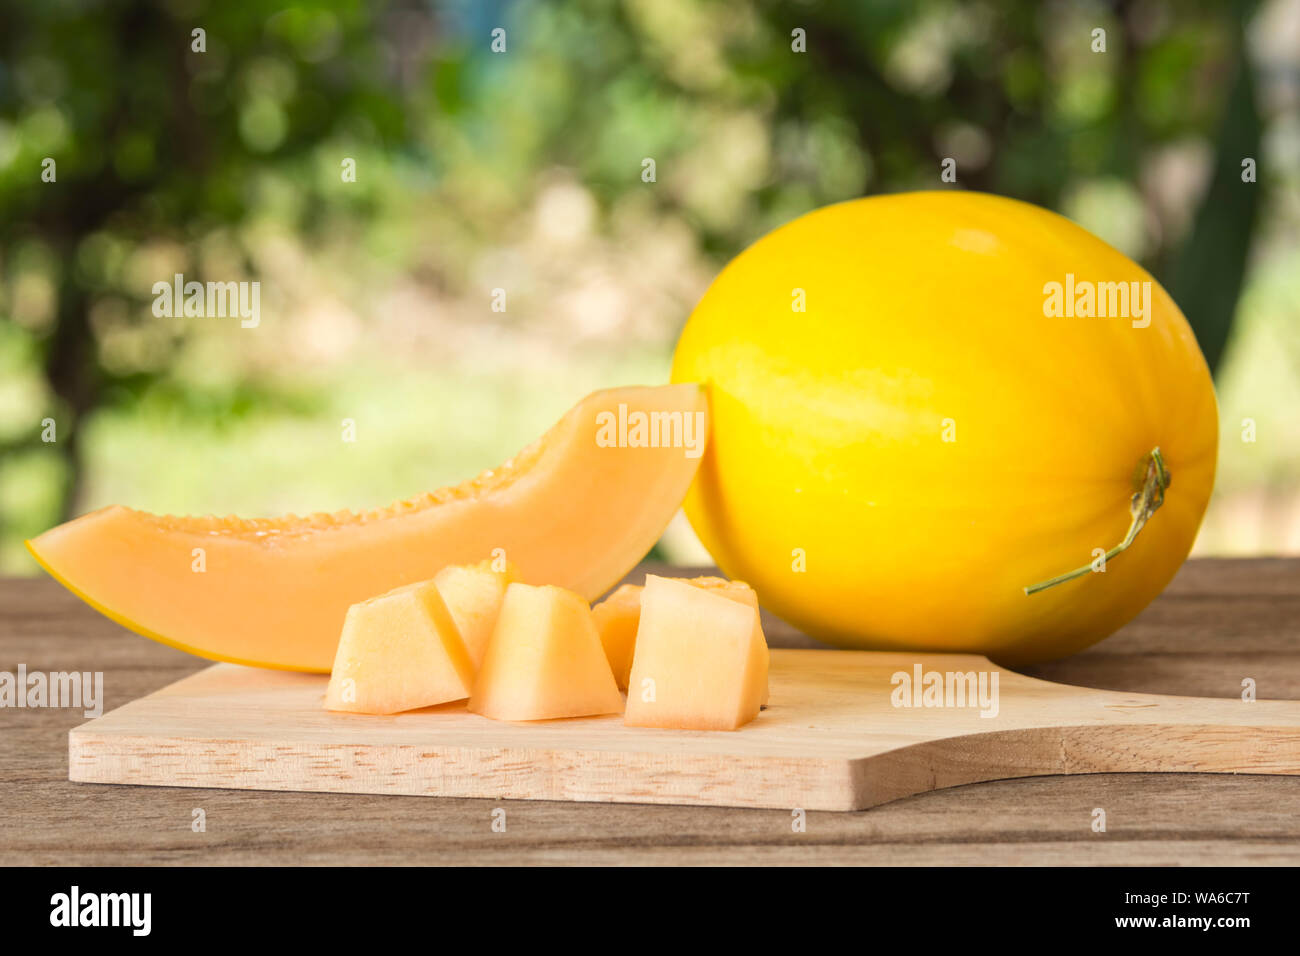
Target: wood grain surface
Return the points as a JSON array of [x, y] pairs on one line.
[[1219, 622]]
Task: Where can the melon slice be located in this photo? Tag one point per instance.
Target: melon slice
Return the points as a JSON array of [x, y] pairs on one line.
[[577, 509], [544, 660], [618, 616], [616, 620], [399, 651], [700, 663], [473, 593]]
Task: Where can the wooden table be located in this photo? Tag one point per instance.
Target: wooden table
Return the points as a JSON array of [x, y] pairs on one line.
[[1219, 622]]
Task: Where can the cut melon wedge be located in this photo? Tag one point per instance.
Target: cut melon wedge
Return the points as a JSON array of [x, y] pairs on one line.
[[576, 509], [544, 660], [473, 594], [700, 663], [399, 651]]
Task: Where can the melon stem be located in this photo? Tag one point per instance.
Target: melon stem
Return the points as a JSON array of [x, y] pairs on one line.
[[1154, 478]]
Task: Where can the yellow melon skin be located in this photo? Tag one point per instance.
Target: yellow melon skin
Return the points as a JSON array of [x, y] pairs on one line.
[[399, 651], [473, 594], [701, 662], [577, 509], [893, 467], [544, 660]]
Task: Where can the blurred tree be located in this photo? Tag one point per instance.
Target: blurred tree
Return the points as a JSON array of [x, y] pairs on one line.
[[1207, 277], [160, 147], [157, 131], [1014, 91]]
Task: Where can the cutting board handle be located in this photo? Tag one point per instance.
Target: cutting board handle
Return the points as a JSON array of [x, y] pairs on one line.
[[1045, 728]]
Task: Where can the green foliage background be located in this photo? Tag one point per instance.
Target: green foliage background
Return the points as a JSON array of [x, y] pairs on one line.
[[522, 170]]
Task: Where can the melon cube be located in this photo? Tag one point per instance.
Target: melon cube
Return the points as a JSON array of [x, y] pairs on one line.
[[618, 616], [544, 660], [616, 619], [742, 592], [701, 661], [473, 594], [399, 651]]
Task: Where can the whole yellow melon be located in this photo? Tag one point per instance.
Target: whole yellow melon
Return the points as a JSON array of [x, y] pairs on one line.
[[927, 406]]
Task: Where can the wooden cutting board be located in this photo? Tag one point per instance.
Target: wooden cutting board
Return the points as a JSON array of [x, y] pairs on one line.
[[832, 739]]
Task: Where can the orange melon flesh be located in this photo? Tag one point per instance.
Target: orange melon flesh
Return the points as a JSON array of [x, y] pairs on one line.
[[616, 620], [570, 510], [473, 594], [399, 651], [742, 592], [544, 660], [702, 655], [618, 616]]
